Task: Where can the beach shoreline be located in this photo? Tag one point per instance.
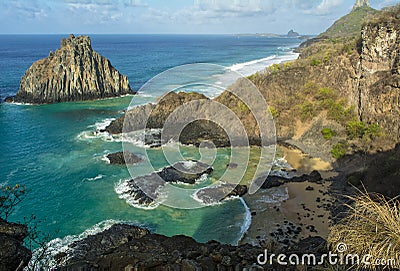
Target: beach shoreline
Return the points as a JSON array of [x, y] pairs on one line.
[[282, 216]]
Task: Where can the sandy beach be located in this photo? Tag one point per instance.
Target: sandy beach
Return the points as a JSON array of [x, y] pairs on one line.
[[293, 211]]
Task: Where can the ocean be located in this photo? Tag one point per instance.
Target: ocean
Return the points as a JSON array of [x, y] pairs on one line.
[[58, 153]]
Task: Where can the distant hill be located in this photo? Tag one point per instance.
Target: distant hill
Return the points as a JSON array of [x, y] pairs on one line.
[[350, 24]]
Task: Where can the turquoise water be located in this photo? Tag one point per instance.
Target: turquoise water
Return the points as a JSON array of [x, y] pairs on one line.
[[49, 149], [72, 188]]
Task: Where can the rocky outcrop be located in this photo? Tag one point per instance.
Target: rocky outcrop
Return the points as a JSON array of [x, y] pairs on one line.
[[152, 116], [128, 247], [275, 181], [217, 193], [13, 255], [379, 85], [123, 158], [361, 3], [75, 72], [124, 247]]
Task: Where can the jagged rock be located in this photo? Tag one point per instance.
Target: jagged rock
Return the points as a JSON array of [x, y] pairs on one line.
[[75, 72], [195, 132], [215, 194], [96, 245], [361, 3], [122, 158], [379, 70], [144, 190], [143, 250], [275, 181], [13, 255]]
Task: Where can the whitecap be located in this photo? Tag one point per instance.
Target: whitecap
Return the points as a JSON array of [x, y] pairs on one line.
[[98, 177], [247, 221], [240, 66], [61, 245]]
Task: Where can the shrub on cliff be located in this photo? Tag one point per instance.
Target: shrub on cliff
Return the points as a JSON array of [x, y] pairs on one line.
[[371, 227], [10, 196], [340, 150], [328, 133]]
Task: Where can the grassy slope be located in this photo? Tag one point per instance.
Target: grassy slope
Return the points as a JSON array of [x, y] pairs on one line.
[[350, 24]]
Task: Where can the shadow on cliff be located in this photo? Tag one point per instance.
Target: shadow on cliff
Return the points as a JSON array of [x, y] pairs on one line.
[[378, 172]]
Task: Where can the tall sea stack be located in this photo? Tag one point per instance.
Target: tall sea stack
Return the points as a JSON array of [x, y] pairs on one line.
[[75, 72]]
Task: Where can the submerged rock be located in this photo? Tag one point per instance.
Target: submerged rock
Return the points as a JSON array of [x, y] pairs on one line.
[[75, 72]]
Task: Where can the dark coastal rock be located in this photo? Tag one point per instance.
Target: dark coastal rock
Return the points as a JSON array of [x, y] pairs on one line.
[[124, 246], [144, 190], [75, 72], [123, 158], [316, 244], [13, 255], [185, 172], [96, 245], [275, 181], [217, 193], [152, 116], [14, 230]]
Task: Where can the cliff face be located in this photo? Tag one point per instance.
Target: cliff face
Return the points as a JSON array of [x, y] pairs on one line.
[[75, 72], [379, 86]]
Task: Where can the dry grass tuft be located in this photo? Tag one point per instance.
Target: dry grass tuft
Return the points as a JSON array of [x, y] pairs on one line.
[[372, 227]]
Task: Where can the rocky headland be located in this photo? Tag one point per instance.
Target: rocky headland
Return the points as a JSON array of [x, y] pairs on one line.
[[75, 72]]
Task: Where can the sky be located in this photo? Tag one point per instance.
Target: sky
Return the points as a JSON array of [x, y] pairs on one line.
[[172, 16]]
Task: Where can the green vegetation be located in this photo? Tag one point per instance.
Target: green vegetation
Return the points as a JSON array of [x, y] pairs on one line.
[[243, 108], [274, 68], [338, 112], [307, 111], [371, 227], [355, 129], [324, 94], [361, 130], [340, 150], [315, 62], [273, 111], [349, 25], [328, 133]]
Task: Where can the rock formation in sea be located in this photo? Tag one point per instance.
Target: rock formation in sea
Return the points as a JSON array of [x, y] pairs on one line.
[[145, 190], [75, 72], [123, 158]]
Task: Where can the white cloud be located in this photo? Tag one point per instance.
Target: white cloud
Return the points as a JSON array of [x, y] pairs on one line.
[[240, 8], [325, 7]]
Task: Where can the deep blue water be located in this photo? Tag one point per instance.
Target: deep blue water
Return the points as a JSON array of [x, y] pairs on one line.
[[46, 147]]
